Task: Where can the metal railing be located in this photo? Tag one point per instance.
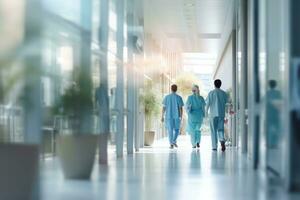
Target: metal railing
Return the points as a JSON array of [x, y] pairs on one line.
[[11, 124]]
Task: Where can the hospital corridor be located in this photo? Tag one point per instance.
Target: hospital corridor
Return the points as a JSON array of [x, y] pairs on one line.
[[149, 99]]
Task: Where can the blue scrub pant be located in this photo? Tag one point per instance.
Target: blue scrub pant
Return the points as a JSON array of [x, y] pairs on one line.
[[217, 131], [195, 137], [194, 130], [173, 126]]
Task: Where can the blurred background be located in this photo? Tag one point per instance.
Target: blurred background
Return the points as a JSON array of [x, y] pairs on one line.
[[81, 86]]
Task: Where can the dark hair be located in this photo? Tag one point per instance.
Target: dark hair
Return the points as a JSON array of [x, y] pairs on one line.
[[218, 83], [174, 88], [272, 84]]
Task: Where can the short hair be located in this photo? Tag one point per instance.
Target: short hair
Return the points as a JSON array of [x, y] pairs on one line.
[[218, 83], [196, 86], [174, 88], [272, 84]]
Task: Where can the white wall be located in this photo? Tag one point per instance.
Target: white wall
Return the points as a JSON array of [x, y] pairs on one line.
[[224, 69]]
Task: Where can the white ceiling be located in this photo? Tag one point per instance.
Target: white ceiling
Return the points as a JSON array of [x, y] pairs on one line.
[[187, 25]]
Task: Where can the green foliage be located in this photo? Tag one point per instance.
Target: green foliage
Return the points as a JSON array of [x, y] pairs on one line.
[[150, 100], [76, 100], [76, 105], [151, 103], [185, 82]]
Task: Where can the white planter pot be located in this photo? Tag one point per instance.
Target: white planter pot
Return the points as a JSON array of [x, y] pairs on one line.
[[19, 172], [149, 138], [77, 155]]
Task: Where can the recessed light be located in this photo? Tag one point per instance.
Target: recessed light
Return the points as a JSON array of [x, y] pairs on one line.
[[189, 4]]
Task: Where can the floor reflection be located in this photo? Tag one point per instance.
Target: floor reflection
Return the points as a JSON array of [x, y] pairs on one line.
[[160, 173], [195, 162]]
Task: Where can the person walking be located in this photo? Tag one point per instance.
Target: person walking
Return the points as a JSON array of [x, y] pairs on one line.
[[195, 107], [172, 115], [216, 104]]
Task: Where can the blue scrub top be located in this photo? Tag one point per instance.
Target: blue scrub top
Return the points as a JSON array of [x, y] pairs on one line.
[[195, 108], [216, 103], [172, 103], [273, 112]]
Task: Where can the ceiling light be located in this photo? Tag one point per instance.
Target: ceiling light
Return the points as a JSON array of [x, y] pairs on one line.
[[189, 4]]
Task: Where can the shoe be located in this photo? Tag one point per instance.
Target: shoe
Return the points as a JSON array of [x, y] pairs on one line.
[[175, 145], [194, 147], [223, 146], [171, 146], [198, 145], [214, 149]]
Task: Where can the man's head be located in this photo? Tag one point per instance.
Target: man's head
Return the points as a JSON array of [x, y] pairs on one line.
[[272, 84], [218, 83], [174, 88]]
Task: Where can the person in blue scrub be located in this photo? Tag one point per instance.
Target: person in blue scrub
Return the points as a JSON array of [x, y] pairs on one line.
[[172, 115], [273, 115], [195, 107], [216, 105]]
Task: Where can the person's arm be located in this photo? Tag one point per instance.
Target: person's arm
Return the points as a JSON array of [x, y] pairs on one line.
[[181, 104], [163, 114], [163, 110], [203, 107], [181, 112], [188, 105], [227, 108], [206, 110], [207, 106]]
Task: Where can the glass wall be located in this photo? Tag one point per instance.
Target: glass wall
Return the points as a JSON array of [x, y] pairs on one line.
[[11, 73], [275, 79], [51, 48], [69, 51], [50, 58], [67, 79], [272, 67]]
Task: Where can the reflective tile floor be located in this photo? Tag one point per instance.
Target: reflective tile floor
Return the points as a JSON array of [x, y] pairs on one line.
[[160, 173]]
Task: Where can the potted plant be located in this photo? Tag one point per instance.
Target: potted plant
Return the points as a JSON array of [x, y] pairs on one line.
[[76, 143], [150, 102]]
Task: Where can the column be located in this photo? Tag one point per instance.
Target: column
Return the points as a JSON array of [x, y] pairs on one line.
[[32, 104], [243, 76], [292, 79], [33, 72], [120, 78], [85, 80], [253, 85], [234, 83], [237, 74], [136, 111], [141, 110], [130, 79], [104, 115]]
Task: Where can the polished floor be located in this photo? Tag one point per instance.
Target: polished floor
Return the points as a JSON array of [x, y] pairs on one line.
[[160, 173]]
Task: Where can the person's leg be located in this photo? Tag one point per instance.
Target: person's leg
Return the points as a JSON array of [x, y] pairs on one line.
[[192, 135], [191, 130], [198, 136], [176, 133], [213, 133], [170, 130], [199, 131], [221, 132], [170, 135], [220, 125], [176, 130]]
